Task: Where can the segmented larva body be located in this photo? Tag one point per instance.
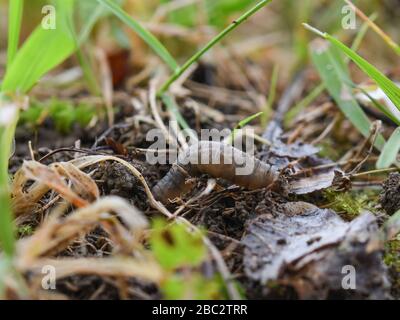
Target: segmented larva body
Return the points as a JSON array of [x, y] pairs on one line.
[[218, 160]]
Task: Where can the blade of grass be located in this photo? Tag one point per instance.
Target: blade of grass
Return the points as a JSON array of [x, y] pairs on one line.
[[361, 34], [388, 86], [381, 108], [14, 28], [242, 124], [335, 75], [314, 94], [389, 153], [7, 128], [390, 89], [271, 96], [90, 18], [43, 50], [97, 13], [317, 91], [391, 43], [149, 38], [171, 105], [211, 44]]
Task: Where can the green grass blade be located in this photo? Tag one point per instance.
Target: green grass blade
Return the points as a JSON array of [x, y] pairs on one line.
[[390, 89], [211, 44], [14, 28], [247, 120], [316, 92], [381, 108], [390, 151], [306, 101], [361, 33], [91, 15], [242, 124], [43, 50], [335, 75], [171, 105], [149, 38], [388, 86], [7, 128], [267, 110], [370, 21]]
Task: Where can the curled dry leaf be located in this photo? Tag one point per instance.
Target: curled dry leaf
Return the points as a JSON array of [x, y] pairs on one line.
[[56, 233], [306, 248], [145, 267], [306, 172], [50, 177], [25, 198], [82, 183], [87, 161], [83, 190]]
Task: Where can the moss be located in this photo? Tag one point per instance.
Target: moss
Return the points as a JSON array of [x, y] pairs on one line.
[[329, 149], [350, 204], [25, 230], [392, 260], [63, 113]]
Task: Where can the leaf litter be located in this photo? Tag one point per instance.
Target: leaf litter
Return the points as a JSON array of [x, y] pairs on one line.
[[308, 247]]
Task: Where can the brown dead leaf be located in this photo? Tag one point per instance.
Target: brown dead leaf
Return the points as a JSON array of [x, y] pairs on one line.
[[50, 177], [144, 268], [57, 232], [83, 184]]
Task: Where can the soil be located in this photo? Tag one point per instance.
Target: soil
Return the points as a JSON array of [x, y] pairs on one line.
[[229, 213]]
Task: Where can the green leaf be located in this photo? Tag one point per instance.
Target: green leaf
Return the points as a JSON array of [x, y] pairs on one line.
[[247, 120], [149, 38], [334, 73], [194, 286], [305, 102], [14, 28], [390, 151], [174, 247], [268, 108], [380, 107], [43, 50], [388, 86], [7, 129], [243, 123]]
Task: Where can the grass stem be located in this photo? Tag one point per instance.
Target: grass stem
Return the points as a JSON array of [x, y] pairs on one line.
[[196, 57]]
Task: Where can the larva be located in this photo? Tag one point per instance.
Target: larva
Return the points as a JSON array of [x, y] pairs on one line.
[[218, 160]]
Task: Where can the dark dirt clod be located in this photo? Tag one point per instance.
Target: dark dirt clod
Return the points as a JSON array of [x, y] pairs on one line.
[[116, 179], [390, 196]]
